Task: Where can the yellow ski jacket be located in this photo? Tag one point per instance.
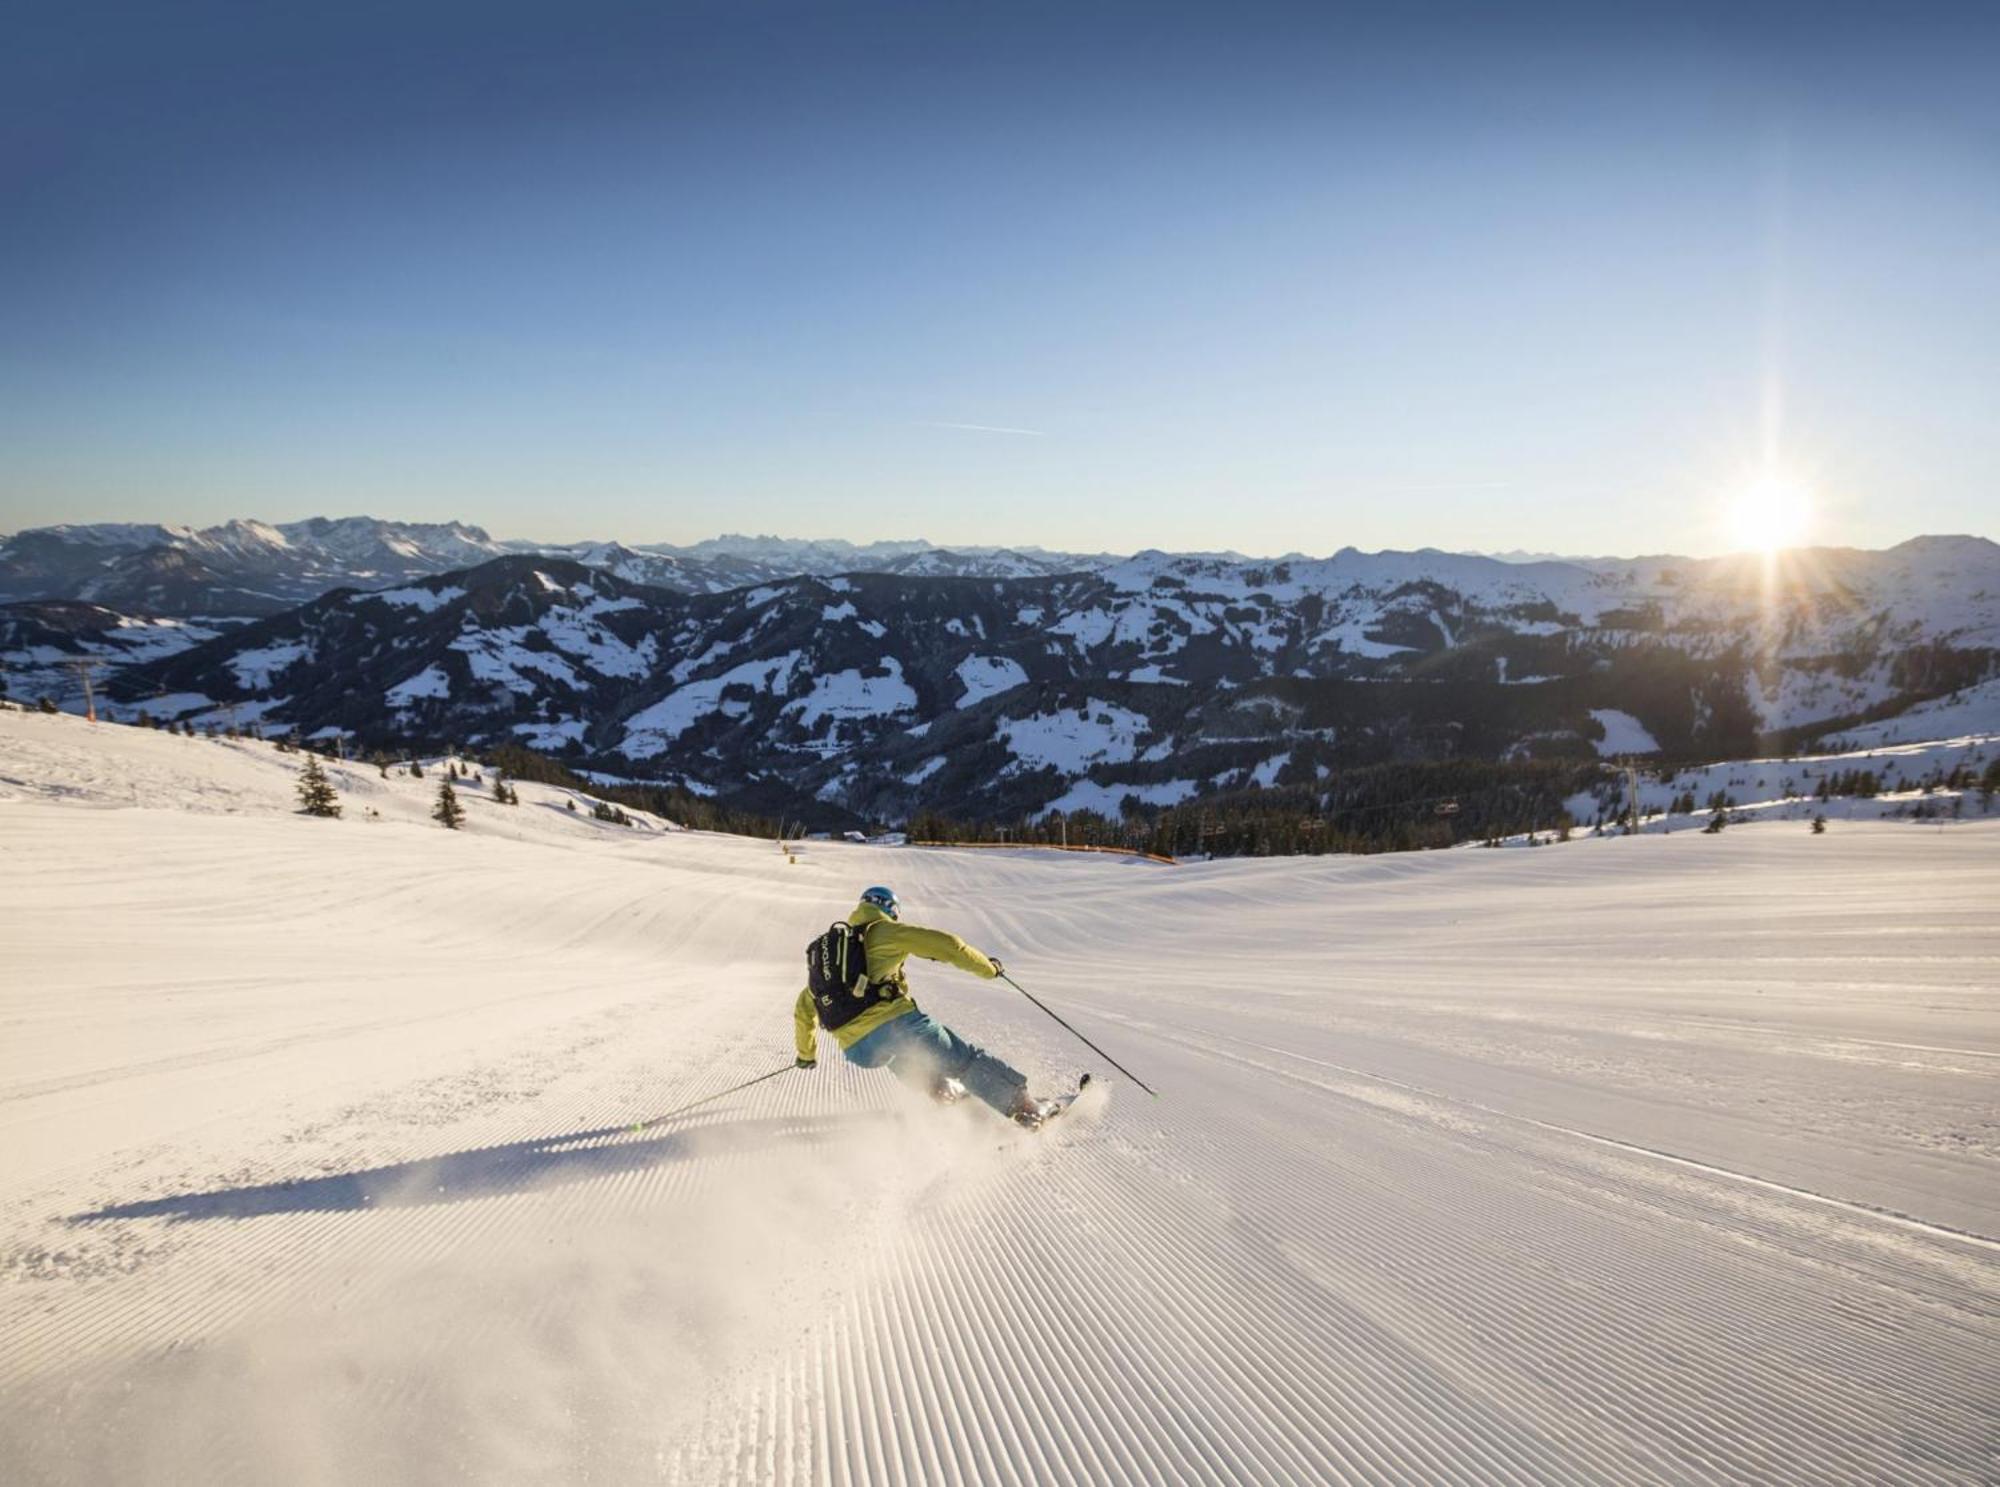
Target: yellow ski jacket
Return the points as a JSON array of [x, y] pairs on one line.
[[889, 944]]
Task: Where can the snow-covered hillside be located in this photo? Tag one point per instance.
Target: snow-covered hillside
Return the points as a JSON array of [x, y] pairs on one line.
[[1643, 1161], [1971, 711], [1945, 779]]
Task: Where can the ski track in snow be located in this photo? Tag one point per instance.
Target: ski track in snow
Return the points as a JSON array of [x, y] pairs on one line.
[[1646, 1160]]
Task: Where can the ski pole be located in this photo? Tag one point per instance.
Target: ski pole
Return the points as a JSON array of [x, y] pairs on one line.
[[1080, 1037], [706, 1099]]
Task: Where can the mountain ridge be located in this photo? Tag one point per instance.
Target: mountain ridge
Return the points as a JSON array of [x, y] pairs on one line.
[[1158, 679], [246, 567]]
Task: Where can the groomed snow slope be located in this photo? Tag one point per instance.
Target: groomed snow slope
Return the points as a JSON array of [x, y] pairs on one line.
[[1649, 1160]]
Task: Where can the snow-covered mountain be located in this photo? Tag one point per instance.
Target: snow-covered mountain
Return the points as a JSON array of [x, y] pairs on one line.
[[789, 557], [238, 568], [1158, 679], [247, 568]]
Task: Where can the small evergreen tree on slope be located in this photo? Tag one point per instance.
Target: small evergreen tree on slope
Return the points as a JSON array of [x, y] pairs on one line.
[[448, 813], [317, 797]]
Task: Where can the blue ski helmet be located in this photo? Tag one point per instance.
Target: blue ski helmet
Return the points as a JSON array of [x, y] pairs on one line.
[[883, 899]]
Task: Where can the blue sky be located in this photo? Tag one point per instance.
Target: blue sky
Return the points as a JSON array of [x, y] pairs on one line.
[[1268, 277]]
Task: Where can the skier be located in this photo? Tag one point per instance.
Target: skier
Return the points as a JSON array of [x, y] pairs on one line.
[[879, 1024]]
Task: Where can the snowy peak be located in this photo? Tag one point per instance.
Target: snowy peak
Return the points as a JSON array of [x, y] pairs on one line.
[[238, 568], [357, 540]]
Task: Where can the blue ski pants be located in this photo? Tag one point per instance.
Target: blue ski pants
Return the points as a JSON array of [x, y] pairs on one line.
[[922, 1052]]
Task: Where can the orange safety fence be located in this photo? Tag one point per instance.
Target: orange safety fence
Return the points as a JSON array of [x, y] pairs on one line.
[[1058, 847]]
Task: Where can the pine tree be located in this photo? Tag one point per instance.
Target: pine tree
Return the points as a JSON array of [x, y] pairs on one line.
[[1819, 823], [416, 768], [317, 796], [504, 792], [47, 704], [448, 813]]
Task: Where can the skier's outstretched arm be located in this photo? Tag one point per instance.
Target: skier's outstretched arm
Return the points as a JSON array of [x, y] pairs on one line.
[[933, 944], [803, 1020]]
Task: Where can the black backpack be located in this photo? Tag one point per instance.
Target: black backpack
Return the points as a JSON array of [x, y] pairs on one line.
[[837, 976]]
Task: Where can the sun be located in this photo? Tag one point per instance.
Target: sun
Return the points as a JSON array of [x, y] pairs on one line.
[[1771, 512]]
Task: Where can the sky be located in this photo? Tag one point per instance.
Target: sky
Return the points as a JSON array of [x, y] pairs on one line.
[[1258, 276]]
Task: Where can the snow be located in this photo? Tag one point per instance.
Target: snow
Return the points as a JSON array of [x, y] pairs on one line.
[[988, 676], [1645, 1160], [577, 635], [855, 694], [431, 682], [551, 737], [1975, 710], [689, 665], [1090, 628], [425, 601], [1351, 636], [1266, 774], [1108, 800], [496, 656], [1786, 789], [924, 771], [1073, 739], [256, 669], [178, 705], [1623, 733], [648, 730]]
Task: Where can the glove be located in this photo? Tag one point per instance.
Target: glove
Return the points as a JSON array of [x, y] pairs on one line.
[[806, 1063]]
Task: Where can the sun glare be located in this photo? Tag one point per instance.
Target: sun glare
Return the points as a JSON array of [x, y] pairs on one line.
[[1770, 513]]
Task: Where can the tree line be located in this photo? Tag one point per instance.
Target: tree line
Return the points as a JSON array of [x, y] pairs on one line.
[[1378, 808]]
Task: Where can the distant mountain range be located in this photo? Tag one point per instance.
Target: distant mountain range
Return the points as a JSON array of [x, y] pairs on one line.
[[1152, 680], [250, 568]]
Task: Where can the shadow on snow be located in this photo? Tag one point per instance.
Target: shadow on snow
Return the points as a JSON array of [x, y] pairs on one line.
[[519, 1166]]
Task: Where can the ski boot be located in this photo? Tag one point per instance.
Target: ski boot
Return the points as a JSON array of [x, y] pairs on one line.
[[1030, 1113], [948, 1091]]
